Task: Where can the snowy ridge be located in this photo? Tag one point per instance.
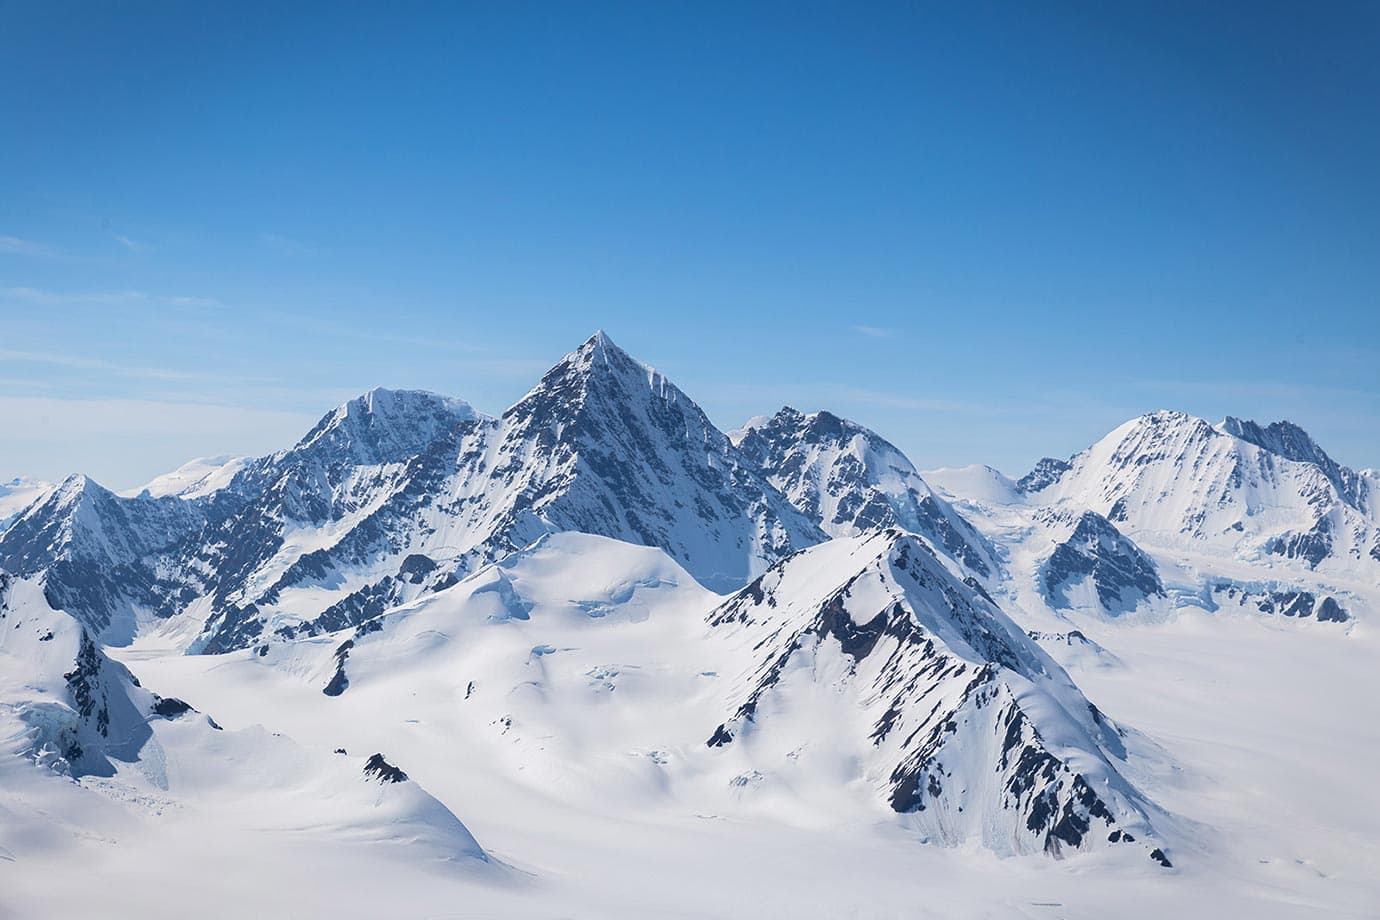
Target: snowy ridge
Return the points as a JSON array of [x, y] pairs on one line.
[[196, 478], [975, 733], [81, 709]]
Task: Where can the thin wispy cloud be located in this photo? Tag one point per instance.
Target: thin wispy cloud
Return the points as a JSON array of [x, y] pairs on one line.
[[45, 298], [908, 403], [131, 244], [24, 383], [128, 371], [199, 302], [1316, 394], [876, 332], [287, 246], [96, 364], [17, 246]]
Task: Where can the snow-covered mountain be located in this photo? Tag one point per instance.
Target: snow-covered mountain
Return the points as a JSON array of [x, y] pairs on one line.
[[1169, 511], [99, 556], [864, 664], [81, 710], [853, 482], [956, 716], [1250, 491], [398, 493], [603, 445], [1090, 551], [194, 479]]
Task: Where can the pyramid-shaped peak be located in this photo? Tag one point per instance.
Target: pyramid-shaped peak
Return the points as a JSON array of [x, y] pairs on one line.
[[601, 351], [600, 340], [76, 487], [597, 370]]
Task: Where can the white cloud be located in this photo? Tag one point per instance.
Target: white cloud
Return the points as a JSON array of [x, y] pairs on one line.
[[132, 245], [44, 298], [287, 246], [95, 364], [55, 299], [876, 332], [15, 246], [185, 301]]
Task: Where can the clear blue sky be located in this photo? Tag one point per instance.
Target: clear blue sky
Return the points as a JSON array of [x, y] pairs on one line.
[[990, 231]]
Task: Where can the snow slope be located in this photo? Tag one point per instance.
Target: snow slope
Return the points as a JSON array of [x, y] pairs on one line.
[[564, 708], [92, 760]]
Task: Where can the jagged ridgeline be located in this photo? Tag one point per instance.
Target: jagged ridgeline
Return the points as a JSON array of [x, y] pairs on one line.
[[397, 494]]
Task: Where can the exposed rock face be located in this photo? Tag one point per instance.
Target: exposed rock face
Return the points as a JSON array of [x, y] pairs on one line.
[[1046, 472], [1094, 550], [1281, 601], [377, 768], [1285, 439]]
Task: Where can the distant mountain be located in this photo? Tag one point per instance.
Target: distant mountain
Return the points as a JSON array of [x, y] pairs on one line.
[[1173, 479], [1169, 511], [16, 495], [978, 483], [100, 556], [194, 479], [853, 482], [398, 493]]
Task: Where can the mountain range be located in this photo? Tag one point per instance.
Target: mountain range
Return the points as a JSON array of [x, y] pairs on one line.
[[609, 610]]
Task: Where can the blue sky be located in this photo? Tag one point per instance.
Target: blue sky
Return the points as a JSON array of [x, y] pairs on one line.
[[990, 231]]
